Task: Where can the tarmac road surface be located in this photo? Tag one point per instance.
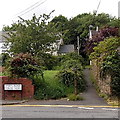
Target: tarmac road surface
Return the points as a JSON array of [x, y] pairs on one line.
[[58, 111]]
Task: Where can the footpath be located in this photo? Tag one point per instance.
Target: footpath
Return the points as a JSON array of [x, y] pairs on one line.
[[90, 96], [12, 102]]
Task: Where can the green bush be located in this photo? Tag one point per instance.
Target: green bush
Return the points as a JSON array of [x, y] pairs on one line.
[[105, 96], [24, 65], [49, 88], [68, 76], [47, 91], [64, 60], [47, 61], [72, 70], [73, 97], [73, 56], [68, 64], [3, 59]]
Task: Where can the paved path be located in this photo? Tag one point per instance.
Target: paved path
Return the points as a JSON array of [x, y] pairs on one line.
[[91, 96]]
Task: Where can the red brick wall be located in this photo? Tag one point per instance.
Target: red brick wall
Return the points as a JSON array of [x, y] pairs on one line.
[[2, 69], [27, 88]]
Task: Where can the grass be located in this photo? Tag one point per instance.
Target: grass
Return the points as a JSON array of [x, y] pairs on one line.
[[88, 66], [114, 101], [52, 88], [94, 82], [73, 97], [50, 77], [1, 74]]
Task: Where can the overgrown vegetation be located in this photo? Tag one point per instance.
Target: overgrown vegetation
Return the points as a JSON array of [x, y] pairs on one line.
[[49, 88], [47, 61], [23, 65], [69, 60], [94, 82], [52, 88], [3, 59], [50, 84], [109, 62], [71, 73], [68, 79], [73, 97], [111, 66]]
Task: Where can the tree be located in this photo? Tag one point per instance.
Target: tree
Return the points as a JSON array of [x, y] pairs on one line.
[[114, 22], [32, 36], [60, 23], [71, 72], [72, 75], [103, 33], [13, 27], [79, 26]]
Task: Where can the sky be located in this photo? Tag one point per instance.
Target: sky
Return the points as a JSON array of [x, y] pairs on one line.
[[11, 9]]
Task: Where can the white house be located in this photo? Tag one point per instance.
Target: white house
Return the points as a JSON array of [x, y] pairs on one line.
[[2, 41]]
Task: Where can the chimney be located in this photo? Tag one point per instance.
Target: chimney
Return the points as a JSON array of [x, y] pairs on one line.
[[90, 31], [97, 28], [119, 9]]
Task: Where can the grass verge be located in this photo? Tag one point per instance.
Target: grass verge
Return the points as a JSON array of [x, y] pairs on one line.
[[51, 88], [73, 97]]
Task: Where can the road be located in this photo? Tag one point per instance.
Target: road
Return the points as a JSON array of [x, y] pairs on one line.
[[58, 111]]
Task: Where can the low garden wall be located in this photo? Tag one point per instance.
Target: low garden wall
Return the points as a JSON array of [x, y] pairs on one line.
[[103, 83], [26, 92]]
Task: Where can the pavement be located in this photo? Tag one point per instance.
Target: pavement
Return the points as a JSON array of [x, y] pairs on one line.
[[12, 102]]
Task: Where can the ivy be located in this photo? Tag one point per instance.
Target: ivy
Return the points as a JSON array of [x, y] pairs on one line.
[[111, 66], [106, 47], [109, 61]]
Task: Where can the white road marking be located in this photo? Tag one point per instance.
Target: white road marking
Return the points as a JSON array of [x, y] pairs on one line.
[[108, 109], [86, 108]]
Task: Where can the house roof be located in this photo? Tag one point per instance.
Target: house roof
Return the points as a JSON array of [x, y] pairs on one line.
[[94, 32], [66, 49], [4, 34], [2, 38]]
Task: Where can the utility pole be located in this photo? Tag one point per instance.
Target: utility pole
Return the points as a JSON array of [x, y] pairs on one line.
[[75, 83], [78, 44]]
